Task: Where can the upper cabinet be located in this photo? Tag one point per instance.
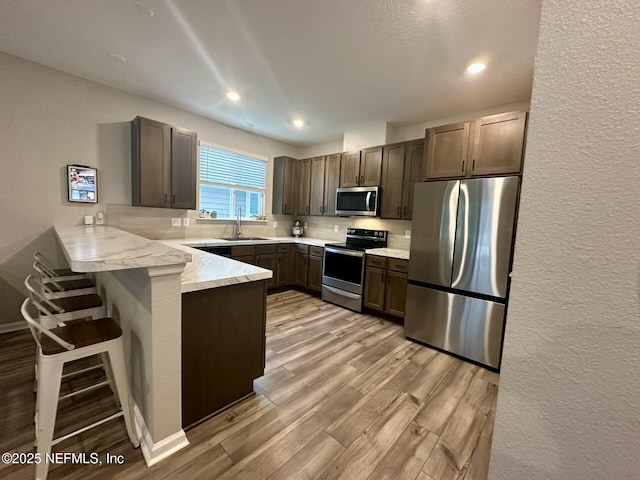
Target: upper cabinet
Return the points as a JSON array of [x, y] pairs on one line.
[[284, 178], [402, 168], [362, 168], [491, 145], [303, 182], [325, 178], [163, 165]]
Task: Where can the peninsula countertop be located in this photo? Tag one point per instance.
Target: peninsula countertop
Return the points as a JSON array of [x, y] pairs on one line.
[[100, 248]]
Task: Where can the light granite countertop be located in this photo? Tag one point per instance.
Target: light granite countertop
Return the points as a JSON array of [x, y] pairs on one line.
[[100, 248], [389, 252], [207, 270]]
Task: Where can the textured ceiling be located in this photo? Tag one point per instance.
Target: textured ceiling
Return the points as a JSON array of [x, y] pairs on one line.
[[338, 64]]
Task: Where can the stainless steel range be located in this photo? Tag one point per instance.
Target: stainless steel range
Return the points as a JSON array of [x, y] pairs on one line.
[[343, 270]]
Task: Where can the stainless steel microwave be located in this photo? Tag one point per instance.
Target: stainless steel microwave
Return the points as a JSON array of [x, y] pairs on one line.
[[357, 201]]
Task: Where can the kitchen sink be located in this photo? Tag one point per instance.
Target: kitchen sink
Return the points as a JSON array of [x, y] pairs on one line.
[[240, 239]]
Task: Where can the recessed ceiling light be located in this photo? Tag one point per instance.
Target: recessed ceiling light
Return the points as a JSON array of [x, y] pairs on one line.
[[476, 67], [298, 122], [143, 9], [117, 58], [233, 95]]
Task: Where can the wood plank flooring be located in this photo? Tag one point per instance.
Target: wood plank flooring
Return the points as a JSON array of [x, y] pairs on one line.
[[344, 396]]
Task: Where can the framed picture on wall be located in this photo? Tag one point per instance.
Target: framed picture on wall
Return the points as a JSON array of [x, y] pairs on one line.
[[82, 184]]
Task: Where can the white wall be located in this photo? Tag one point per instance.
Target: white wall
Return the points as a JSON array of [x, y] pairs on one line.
[[50, 119], [569, 402]]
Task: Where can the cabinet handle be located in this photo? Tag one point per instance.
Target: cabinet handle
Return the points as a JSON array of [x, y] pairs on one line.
[[404, 211], [381, 278], [357, 180], [361, 179], [473, 166], [165, 198], [397, 210], [463, 166], [173, 198], [285, 208]]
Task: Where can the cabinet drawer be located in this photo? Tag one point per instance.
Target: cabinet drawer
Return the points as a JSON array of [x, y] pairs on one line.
[[398, 265], [284, 247], [375, 261], [265, 249], [302, 248], [242, 250], [316, 251]]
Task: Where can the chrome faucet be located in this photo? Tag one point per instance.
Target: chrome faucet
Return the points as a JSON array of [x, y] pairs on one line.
[[238, 221]]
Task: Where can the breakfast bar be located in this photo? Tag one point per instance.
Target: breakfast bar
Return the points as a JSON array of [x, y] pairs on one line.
[[143, 283]]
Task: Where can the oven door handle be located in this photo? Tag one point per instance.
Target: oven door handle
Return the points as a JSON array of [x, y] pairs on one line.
[[342, 292], [340, 251]]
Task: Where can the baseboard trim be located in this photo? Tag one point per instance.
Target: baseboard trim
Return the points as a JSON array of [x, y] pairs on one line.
[[154, 452], [12, 327]]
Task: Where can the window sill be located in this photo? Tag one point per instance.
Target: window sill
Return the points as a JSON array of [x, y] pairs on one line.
[[230, 221]]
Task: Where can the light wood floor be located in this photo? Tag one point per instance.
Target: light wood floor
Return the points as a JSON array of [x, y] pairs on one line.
[[344, 396]]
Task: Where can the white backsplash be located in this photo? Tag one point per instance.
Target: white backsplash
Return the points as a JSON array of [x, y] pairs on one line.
[[155, 223]]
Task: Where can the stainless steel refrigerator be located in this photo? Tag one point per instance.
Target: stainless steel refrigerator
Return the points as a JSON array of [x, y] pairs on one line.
[[461, 249]]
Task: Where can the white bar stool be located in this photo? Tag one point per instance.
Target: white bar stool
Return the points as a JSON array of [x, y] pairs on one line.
[[56, 287], [54, 272], [59, 345], [65, 308]]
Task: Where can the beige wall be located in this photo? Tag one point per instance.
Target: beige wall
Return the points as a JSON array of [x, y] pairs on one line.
[[569, 406], [50, 119]]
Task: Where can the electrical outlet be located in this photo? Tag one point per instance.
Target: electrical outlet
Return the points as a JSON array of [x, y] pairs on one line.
[[306, 225], [275, 224], [185, 222], [407, 234], [175, 222], [335, 228]]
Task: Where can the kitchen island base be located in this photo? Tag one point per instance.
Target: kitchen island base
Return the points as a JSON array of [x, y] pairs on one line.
[[223, 347]]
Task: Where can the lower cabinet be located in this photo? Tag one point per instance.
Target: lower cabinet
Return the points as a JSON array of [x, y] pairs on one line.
[[223, 347], [285, 265], [385, 288], [308, 267]]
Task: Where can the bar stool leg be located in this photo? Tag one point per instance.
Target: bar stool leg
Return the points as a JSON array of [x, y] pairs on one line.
[[119, 369], [50, 374]]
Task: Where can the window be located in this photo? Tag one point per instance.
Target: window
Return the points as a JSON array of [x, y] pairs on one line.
[[230, 180]]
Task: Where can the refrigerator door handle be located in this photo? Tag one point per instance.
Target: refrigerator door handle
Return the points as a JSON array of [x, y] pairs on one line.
[[462, 235]]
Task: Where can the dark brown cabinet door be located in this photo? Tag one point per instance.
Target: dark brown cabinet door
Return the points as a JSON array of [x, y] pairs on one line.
[[413, 173], [396, 293], [316, 200], [150, 163], [314, 275], [350, 169], [284, 177], [374, 288], [392, 177], [184, 167], [303, 186], [447, 149], [331, 182], [370, 166], [498, 144], [270, 262], [301, 269]]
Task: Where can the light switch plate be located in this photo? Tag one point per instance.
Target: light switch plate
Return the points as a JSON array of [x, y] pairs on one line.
[[175, 222], [407, 234], [306, 225], [185, 222], [275, 224], [335, 228]]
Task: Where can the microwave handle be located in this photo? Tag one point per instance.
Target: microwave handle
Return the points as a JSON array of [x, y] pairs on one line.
[[368, 200]]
